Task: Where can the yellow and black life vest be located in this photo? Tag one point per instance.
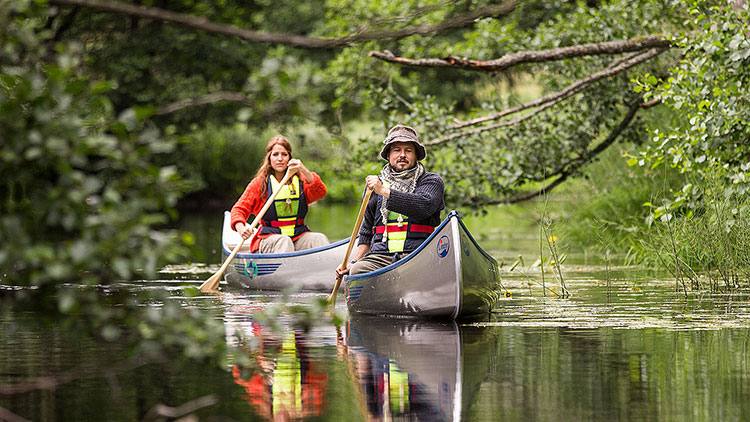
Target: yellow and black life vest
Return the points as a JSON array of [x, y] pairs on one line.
[[287, 214], [399, 234]]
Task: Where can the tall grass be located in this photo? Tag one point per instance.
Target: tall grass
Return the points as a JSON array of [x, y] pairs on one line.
[[710, 248], [604, 210], [548, 228]]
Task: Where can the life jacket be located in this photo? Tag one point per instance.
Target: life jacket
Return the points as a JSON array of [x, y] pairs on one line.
[[287, 214], [399, 234]]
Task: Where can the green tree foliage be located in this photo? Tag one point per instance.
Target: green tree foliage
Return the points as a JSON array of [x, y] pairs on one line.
[[438, 84], [709, 96], [423, 63], [702, 226], [196, 85], [80, 190], [158, 64], [81, 197]]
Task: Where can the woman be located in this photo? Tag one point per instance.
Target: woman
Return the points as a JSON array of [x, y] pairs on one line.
[[283, 226]]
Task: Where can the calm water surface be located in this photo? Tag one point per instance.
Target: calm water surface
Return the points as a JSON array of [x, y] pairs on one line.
[[630, 349]]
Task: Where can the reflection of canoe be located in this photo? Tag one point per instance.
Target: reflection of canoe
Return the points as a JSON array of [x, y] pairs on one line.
[[448, 276], [442, 366], [311, 270]]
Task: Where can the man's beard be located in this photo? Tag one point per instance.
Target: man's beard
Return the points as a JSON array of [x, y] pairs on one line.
[[395, 169]]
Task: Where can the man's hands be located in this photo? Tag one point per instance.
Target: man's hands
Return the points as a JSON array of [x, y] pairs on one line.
[[373, 182], [340, 272], [361, 251]]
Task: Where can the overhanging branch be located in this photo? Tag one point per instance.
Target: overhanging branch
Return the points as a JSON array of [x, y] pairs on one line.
[[205, 99], [571, 166], [570, 90], [546, 101], [267, 112], [203, 24], [474, 131], [509, 60]]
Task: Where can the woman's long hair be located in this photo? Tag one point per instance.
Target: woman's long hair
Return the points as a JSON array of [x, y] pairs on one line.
[[265, 168]]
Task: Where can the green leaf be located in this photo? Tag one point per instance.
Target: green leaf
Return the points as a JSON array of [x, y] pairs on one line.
[[144, 112]]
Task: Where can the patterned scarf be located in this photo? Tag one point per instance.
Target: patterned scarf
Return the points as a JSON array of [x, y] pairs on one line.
[[404, 181]]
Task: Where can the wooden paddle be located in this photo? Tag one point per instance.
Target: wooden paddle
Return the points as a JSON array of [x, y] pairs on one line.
[[210, 285], [360, 216]]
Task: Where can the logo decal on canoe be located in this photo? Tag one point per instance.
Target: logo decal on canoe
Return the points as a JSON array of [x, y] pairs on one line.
[[443, 246], [251, 270]]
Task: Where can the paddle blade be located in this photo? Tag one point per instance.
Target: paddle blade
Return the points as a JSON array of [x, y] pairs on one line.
[[211, 285]]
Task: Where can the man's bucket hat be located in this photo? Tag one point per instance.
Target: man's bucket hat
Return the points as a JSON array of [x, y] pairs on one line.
[[401, 133]]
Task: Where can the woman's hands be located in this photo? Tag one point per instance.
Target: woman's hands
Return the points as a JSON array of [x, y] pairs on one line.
[[244, 230], [296, 165]]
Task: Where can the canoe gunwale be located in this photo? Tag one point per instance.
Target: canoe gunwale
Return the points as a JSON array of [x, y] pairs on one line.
[[246, 255]]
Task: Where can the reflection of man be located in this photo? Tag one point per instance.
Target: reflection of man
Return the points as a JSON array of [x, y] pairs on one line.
[[287, 387], [389, 392], [405, 207]]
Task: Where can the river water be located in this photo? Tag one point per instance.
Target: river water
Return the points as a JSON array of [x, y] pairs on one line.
[[624, 346]]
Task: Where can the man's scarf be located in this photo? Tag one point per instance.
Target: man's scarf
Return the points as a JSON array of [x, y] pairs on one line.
[[404, 181]]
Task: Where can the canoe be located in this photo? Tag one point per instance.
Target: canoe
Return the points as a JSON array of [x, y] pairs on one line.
[[310, 270], [448, 276]]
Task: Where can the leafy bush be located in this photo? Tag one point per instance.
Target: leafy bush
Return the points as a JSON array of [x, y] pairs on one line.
[[219, 161], [80, 192], [708, 94], [605, 209], [80, 197]]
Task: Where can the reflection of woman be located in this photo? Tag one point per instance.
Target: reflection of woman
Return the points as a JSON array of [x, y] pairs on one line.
[[288, 385], [283, 226]]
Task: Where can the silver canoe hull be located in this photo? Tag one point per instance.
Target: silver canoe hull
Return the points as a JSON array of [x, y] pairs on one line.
[[311, 270], [448, 276]]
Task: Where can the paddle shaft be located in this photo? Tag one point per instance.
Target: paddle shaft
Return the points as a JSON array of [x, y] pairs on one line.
[[357, 225], [213, 282]]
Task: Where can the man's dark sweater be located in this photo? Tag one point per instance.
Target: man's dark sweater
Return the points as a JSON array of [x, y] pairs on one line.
[[422, 207]]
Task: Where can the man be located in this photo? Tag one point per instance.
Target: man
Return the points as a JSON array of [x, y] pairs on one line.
[[404, 208]]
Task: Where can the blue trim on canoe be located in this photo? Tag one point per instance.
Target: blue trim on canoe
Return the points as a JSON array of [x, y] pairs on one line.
[[284, 255], [263, 269]]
